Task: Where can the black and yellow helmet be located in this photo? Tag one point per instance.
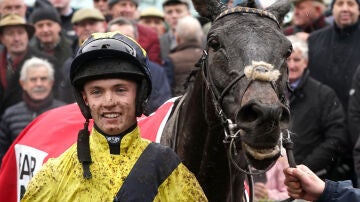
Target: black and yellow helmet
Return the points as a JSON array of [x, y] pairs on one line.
[[110, 55]]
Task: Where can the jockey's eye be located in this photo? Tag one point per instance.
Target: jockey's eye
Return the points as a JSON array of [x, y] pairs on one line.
[[214, 44]]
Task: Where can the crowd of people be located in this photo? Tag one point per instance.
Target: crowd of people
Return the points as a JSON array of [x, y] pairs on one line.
[[39, 44]]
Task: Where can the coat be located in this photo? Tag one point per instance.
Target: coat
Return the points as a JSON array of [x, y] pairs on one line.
[[318, 124], [341, 191], [183, 59], [334, 57], [16, 118]]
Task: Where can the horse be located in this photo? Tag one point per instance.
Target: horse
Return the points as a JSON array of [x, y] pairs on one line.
[[230, 121]]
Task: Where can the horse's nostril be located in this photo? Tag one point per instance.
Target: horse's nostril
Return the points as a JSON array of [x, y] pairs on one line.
[[259, 112], [248, 113]]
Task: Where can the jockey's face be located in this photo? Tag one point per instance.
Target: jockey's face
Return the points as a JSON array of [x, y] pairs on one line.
[[111, 103]]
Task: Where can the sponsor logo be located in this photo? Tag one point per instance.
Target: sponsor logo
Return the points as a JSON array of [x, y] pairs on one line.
[[28, 160]]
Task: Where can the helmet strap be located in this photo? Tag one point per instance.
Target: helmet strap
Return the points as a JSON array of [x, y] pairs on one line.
[[83, 150]]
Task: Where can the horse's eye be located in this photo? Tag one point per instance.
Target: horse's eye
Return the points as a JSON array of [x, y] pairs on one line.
[[214, 44], [288, 52]]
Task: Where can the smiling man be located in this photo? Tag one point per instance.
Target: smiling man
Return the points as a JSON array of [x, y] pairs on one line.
[[111, 84], [36, 80]]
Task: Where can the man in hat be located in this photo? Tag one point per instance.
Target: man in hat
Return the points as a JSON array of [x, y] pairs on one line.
[[173, 11], [308, 17], [111, 84], [48, 36], [153, 18], [148, 38], [334, 57], [66, 13], [14, 35]]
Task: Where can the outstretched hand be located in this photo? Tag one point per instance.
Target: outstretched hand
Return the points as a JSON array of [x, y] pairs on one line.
[[302, 183]]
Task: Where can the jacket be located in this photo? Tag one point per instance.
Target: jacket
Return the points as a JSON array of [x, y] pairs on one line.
[[341, 191], [16, 118], [62, 50], [183, 59], [354, 109], [61, 179], [334, 57], [318, 124], [149, 40], [160, 91]]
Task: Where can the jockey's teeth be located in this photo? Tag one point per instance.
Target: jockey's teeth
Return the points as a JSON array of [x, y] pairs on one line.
[[111, 115]]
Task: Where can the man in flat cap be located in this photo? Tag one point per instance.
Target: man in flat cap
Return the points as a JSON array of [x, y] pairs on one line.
[[153, 18]]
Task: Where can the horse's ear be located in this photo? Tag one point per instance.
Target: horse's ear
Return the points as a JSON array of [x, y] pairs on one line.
[[208, 8], [280, 8]]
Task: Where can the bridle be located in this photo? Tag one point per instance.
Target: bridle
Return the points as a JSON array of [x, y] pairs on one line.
[[232, 132]]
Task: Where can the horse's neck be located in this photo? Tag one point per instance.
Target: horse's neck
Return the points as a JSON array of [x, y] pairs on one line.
[[201, 146]]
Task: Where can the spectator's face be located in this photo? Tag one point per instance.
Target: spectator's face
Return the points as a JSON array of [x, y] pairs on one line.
[[296, 64], [15, 39], [156, 23], [102, 5], [173, 13], [86, 27], [47, 31], [37, 84], [304, 13], [345, 12], [124, 8], [13, 6], [111, 103]]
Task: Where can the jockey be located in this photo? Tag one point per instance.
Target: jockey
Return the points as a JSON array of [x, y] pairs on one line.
[[111, 82]]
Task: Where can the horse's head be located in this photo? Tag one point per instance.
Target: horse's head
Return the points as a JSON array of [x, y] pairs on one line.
[[247, 55]]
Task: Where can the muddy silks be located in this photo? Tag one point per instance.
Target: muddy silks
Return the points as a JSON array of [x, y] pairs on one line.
[[154, 166]]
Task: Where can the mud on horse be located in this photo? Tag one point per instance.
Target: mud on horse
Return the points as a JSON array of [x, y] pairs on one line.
[[230, 121]]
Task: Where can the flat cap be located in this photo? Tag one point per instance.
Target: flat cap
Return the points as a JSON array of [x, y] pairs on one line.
[[151, 12], [87, 13], [16, 20]]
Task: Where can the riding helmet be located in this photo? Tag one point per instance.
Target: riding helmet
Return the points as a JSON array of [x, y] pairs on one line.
[[110, 55]]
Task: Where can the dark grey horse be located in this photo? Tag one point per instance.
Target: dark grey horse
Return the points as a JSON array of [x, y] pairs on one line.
[[230, 120]]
